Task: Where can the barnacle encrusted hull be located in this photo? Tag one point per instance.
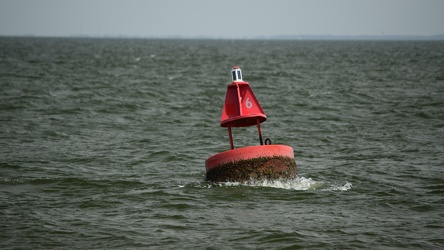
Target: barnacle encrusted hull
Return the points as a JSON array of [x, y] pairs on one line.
[[276, 167]]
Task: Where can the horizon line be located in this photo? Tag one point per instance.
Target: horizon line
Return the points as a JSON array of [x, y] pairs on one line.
[[258, 37]]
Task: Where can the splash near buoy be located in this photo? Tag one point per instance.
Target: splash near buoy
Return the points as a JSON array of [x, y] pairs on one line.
[[265, 161]]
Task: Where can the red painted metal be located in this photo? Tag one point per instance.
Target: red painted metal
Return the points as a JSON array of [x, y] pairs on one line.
[[241, 108], [259, 132], [231, 138], [249, 152]]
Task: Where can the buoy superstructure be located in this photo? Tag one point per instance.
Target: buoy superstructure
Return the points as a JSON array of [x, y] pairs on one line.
[[264, 161]]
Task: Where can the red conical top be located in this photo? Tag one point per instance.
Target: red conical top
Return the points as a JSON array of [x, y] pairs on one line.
[[241, 108]]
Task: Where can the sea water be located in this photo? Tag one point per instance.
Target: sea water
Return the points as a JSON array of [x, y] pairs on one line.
[[103, 144]]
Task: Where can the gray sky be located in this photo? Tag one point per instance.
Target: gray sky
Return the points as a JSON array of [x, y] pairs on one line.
[[221, 18]]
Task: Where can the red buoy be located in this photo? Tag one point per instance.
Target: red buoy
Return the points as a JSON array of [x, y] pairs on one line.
[[242, 109]]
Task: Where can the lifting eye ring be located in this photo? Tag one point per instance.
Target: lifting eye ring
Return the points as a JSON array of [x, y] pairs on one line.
[[267, 141]]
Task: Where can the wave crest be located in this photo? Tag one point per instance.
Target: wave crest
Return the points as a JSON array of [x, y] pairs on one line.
[[300, 183]]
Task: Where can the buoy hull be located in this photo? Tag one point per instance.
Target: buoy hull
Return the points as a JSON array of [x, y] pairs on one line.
[[252, 163]]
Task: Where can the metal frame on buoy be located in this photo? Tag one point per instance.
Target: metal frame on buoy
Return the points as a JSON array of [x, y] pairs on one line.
[[247, 110]]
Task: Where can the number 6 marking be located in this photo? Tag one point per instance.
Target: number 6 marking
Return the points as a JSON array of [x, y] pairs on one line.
[[248, 104]]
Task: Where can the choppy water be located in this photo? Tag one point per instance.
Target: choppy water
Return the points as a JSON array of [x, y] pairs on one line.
[[103, 143]]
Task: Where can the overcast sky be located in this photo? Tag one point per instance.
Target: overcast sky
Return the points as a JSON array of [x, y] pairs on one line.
[[221, 18]]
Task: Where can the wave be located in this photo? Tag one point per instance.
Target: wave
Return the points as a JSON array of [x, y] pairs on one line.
[[300, 183]]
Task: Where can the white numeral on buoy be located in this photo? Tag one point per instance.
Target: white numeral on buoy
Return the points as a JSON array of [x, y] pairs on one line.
[[248, 104]]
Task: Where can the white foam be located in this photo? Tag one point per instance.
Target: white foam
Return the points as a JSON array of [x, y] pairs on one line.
[[344, 187], [300, 183]]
